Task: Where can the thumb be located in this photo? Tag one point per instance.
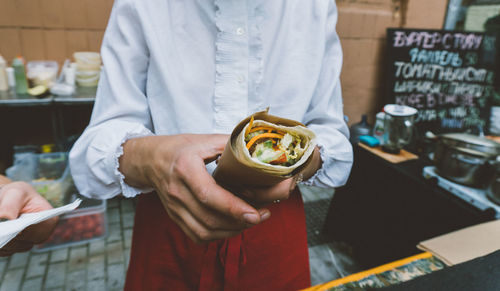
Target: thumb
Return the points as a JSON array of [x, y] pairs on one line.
[[213, 147], [12, 201]]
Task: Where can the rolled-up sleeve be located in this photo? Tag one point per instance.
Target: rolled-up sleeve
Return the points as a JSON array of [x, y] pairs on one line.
[[325, 114], [121, 109]]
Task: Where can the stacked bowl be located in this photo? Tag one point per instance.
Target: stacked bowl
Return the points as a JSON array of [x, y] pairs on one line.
[[88, 68]]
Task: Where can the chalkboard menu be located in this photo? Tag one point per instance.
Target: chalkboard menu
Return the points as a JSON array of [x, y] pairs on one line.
[[447, 75]]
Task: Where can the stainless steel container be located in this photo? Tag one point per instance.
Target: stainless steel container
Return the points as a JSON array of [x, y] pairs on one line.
[[493, 191], [464, 158]]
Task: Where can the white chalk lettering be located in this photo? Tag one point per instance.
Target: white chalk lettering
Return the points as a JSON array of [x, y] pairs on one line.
[[432, 40], [439, 57]]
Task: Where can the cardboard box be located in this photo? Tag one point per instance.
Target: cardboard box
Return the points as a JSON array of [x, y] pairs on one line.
[[10, 43], [76, 41], [359, 101], [53, 13], [8, 13], [33, 46], [55, 45], [465, 244], [95, 40], [98, 12], [426, 14], [356, 22], [28, 13], [75, 15]]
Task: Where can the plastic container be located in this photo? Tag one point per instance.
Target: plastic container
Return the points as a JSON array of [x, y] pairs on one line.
[[359, 129], [88, 60], [4, 81], [53, 179], [378, 128], [11, 78], [42, 73], [48, 173], [88, 82], [20, 75], [88, 74], [87, 223]]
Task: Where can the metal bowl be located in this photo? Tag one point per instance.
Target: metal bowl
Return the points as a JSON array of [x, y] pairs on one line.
[[493, 191], [465, 158]]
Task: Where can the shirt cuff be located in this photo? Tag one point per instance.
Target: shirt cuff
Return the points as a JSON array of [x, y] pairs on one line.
[[334, 171], [127, 190]]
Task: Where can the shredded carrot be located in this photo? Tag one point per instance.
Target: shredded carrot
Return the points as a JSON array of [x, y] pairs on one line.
[[250, 124], [259, 128], [264, 135], [269, 129]]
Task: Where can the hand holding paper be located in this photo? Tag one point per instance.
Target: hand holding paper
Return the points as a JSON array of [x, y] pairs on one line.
[[19, 199]]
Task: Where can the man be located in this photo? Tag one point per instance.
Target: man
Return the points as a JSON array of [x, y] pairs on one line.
[[178, 76], [17, 198]]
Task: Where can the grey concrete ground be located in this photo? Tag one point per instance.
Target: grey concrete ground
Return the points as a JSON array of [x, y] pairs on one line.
[[102, 264]]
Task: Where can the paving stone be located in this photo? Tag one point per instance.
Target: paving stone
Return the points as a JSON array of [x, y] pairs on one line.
[[113, 215], [77, 258], [3, 265], [115, 232], [55, 275], [127, 238], [127, 205], [18, 260], [96, 285], [33, 284], [76, 281], [12, 280], [128, 219], [127, 259], [96, 268], [115, 202], [115, 252], [116, 276], [59, 255], [97, 247], [37, 265]]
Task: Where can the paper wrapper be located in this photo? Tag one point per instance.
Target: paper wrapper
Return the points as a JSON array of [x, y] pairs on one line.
[[237, 168]]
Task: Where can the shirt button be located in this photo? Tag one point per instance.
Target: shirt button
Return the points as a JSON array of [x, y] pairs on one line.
[[240, 31]]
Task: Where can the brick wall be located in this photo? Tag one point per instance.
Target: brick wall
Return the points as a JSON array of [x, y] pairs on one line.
[[51, 29]]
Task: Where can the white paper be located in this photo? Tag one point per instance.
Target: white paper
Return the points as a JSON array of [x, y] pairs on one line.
[[10, 229]]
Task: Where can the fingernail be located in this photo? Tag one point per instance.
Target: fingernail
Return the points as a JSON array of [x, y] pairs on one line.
[[264, 215], [251, 218]]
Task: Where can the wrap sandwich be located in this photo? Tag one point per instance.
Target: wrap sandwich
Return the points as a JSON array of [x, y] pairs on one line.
[[264, 150]]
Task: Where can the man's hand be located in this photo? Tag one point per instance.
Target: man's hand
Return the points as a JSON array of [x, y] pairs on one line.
[[17, 198], [261, 196], [175, 167]]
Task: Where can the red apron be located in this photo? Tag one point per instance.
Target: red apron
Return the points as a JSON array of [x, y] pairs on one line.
[[270, 256]]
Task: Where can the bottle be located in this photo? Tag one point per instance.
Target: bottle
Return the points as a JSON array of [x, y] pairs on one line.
[[4, 83], [11, 78], [359, 129], [378, 128], [20, 74]]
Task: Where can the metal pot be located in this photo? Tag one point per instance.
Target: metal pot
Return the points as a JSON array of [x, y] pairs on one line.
[[493, 191], [464, 158]]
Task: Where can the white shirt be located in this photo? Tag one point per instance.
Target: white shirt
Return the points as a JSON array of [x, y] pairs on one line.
[[201, 66]]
